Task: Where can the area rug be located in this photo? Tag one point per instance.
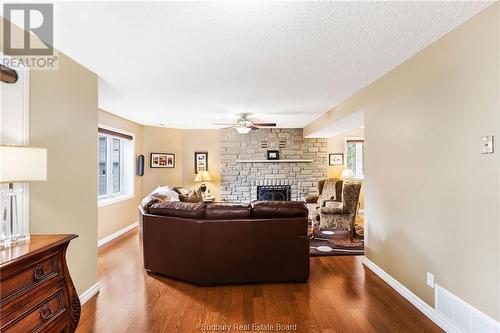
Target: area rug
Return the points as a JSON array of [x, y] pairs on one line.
[[322, 245]]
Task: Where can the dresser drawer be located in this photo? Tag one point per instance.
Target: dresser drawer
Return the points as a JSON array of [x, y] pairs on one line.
[[36, 316], [26, 277]]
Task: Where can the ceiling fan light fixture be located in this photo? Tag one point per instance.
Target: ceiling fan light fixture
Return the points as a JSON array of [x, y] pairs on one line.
[[243, 129]]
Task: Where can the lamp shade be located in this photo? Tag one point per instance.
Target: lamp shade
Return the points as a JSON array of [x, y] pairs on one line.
[[22, 164], [346, 174], [202, 176]]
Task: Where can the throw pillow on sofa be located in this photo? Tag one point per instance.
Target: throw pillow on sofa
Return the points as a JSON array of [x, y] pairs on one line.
[[149, 201], [165, 193], [188, 195]]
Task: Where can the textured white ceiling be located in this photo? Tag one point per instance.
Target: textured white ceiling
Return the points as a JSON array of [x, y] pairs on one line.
[[188, 64]]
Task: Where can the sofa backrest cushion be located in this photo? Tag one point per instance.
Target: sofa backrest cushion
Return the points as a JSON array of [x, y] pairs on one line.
[[219, 211], [179, 209], [278, 209]]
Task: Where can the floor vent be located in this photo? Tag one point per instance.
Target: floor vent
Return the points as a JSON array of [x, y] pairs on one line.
[[462, 315]]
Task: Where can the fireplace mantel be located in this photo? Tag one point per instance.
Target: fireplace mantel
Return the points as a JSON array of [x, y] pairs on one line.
[[274, 161]]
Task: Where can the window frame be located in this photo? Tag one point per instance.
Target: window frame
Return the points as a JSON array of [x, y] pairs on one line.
[[127, 169], [359, 140]]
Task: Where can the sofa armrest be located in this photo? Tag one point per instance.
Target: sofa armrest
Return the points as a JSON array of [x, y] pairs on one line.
[[312, 198]]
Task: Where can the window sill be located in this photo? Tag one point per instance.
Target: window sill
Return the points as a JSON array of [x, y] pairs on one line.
[[114, 200]]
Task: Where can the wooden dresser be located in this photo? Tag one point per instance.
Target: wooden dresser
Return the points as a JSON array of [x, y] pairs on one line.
[[36, 291]]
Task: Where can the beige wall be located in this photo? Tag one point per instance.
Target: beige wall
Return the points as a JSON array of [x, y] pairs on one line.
[[201, 140], [432, 200], [63, 119], [336, 144], [112, 218], [161, 140]]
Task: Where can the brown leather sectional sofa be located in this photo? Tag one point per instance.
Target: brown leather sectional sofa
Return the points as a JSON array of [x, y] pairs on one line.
[[225, 244]]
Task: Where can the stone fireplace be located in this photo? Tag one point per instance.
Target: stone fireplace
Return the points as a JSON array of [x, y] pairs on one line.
[[245, 168]]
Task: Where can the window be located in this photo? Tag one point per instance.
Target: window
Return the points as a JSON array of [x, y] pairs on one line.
[[355, 152], [115, 166]]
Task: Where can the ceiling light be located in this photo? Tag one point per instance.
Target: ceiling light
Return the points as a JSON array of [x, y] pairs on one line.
[[243, 130]]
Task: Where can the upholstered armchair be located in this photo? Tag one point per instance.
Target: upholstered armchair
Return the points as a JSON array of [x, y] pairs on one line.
[[328, 189], [342, 218]]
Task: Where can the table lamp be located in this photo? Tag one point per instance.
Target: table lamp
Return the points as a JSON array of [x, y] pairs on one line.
[[346, 175], [18, 164], [202, 176]]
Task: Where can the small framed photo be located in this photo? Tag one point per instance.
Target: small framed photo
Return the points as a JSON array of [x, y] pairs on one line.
[[336, 159], [273, 155], [200, 161], [162, 160]]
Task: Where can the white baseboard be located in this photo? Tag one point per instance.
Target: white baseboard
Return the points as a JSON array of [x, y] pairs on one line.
[[116, 234], [423, 307], [89, 293]]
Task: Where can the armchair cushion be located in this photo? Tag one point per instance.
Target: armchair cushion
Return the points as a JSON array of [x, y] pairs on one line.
[[332, 210]]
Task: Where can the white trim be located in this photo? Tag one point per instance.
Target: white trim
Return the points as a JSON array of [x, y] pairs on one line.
[[89, 293], [22, 138], [353, 138], [117, 234], [128, 164], [26, 140], [461, 314], [113, 200], [423, 307], [118, 130]]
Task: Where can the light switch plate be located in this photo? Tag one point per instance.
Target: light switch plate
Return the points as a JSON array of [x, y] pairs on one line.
[[430, 279], [487, 145]]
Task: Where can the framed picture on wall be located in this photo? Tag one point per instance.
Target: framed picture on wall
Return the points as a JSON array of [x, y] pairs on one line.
[[162, 160], [200, 161], [273, 155], [336, 159]]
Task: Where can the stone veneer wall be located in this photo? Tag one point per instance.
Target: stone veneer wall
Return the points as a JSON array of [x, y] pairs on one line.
[[239, 181]]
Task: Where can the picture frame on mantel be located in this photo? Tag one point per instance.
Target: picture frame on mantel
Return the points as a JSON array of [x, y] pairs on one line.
[[200, 161], [336, 159], [273, 155], [162, 161]]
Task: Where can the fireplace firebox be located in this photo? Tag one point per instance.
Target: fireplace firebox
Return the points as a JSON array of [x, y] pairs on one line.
[[274, 193]]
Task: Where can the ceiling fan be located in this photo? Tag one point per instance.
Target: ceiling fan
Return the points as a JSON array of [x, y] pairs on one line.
[[244, 125]]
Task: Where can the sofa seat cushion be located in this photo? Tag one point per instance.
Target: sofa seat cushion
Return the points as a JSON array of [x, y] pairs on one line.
[[278, 209], [187, 210], [220, 211]]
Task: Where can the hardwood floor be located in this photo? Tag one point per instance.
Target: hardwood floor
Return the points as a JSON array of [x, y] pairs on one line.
[[341, 296]]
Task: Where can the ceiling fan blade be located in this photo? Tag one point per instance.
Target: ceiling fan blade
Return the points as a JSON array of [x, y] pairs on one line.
[[253, 127], [265, 124]]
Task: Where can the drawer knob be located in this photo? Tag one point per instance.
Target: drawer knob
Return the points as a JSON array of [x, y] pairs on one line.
[[38, 272], [45, 312]]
